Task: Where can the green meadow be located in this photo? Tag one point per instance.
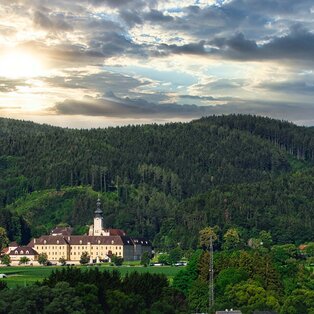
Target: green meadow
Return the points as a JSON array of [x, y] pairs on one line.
[[22, 276]]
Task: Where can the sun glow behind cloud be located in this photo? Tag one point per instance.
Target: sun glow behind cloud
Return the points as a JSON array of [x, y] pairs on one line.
[[148, 59], [16, 64]]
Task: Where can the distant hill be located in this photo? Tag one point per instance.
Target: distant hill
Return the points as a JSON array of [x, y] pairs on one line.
[[163, 181]]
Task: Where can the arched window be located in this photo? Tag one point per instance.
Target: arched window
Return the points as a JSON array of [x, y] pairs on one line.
[[27, 252]]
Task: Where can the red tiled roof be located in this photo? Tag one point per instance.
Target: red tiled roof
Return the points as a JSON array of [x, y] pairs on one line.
[[23, 250], [107, 240], [49, 239], [5, 250], [61, 231], [302, 247], [116, 232]]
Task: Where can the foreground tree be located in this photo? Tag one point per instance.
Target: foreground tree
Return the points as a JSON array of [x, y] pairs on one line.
[[205, 235], [175, 255], [300, 301], [145, 259], [84, 258], [117, 260], [6, 260], [249, 296], [4, 241], [42, 258], [24, 260], [231, 239]]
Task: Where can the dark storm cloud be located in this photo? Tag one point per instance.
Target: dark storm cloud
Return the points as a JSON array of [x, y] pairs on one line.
[[193, 49], [291, 87], [271, 6], [158, 16], [133, 108], [119, 3], [139, 108], [298, 44], [52, 23], [209, 98], [104, 82]]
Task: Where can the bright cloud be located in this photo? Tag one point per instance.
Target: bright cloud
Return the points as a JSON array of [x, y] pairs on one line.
[[113, 62]]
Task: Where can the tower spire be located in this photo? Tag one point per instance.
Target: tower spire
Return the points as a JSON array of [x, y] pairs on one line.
[[98, 219], [98, 211]]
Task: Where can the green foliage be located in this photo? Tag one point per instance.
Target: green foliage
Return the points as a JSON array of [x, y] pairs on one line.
[[145, 259], [238, 171], [230, 276], [116, 260], [249, 297], [3, 285], [164, 259], [62, 261], [206, 234], [84, 259], [175, 255], [185, 278], [42, 258], [24, 260], [4, 241], [300, 301], [198, 296], [231, 239], [309, 250], [5, 259]]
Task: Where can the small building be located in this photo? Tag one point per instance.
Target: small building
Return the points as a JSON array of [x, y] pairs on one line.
[[100, 243], [61, 231], [23, 251]]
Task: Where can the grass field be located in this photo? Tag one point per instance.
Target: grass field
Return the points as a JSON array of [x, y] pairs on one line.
[[22, 276]]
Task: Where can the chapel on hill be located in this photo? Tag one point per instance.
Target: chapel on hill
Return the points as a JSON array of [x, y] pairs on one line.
[[100, 243]]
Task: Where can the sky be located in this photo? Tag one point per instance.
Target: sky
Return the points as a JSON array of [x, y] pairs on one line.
[[99, 63]]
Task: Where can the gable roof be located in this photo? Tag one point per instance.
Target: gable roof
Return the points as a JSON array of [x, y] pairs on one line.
[[141, 241], [65, 231], [23, 250]]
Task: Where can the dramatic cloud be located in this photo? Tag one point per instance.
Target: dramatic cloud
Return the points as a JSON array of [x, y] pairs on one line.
[[156, 59]]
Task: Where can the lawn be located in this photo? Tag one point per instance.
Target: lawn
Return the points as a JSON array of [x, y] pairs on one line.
[[22, 276]]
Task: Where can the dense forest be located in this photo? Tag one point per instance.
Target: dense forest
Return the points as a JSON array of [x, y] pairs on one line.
[[164, 182]]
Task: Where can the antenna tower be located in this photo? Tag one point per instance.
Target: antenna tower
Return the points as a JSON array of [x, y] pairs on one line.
[[211, 276]]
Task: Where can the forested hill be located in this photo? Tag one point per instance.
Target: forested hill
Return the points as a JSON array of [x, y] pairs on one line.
[[150, 172]]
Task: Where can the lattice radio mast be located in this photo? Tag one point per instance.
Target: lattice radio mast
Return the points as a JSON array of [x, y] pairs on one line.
[[211, 276]]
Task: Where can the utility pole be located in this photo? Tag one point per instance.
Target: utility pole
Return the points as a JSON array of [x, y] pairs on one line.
[[211, 276]]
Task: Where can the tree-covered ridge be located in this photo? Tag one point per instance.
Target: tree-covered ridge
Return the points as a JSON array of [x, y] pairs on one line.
[[164, 182], [298, 141], [194, 155]]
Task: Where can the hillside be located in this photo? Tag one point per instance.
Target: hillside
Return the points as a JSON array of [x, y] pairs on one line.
[[161, 181]]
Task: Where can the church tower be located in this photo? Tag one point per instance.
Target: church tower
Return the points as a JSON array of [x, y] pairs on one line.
[[98, 220]]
